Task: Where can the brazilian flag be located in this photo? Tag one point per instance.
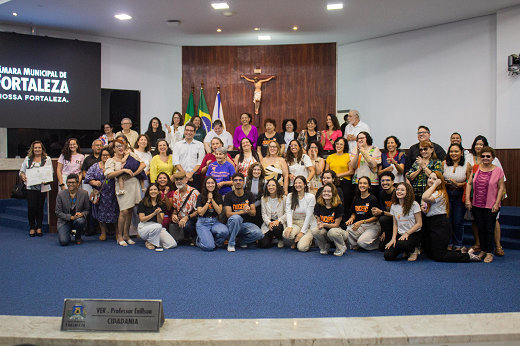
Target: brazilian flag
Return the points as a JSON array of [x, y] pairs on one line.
[[204, 112], [190, 110]]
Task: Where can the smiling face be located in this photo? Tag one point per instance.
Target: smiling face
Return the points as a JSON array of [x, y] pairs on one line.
[[426, 152], [391, 145], [363, 185], [311, 125], [478, 146], [327, 193], [299, 185], [423, 134], [245, 119], [326, 178], [215, 144], [269, 127], [153, 191], [181, 182], [218, 129], [386, 182], [362, 139], [126, 125], [487, 157], [107, 129], [257, 172], [162, 179], [329, 121], [273, 149], [142, 142], [210, 185], [246, 145], [455, 153], [432, 178], [196, 122], [271, 187], [162, 146], [220, 157], [189, 132], [177, 119], [105, 155], [155, 124], [37, 149], [73, 146], [119, 148], [294, 146], [455, 139], [289, 127], [400, 191], [340, 146]]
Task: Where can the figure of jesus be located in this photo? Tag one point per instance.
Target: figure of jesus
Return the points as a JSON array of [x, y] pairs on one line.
[[258, 89]]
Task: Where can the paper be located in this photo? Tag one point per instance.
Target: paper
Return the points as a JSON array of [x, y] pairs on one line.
[[36, 176]]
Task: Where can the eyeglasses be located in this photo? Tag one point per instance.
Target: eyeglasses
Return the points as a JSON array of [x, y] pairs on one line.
[[126, 124], [485, 156], [422, 132], [238, 180], [71, 182], [424, 149], [313, 148]]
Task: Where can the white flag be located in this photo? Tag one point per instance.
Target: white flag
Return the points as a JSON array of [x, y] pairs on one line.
[[217, 111]]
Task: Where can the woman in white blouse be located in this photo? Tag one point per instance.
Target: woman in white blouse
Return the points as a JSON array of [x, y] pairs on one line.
[[175, 131], [299, 207], [300, 164], [273, 214]]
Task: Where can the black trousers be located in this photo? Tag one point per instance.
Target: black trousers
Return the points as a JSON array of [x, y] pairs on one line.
[[387, 228], [401, 246], [267, 240], [348, 192], [436, 236], [35, 203], [486, 221]]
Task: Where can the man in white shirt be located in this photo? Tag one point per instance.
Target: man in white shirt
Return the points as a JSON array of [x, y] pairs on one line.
[[354, 127], [187, 156], [218, 131], [130, 134]]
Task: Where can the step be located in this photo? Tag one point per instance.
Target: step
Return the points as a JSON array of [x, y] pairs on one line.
[[19, 222], [507, 231]]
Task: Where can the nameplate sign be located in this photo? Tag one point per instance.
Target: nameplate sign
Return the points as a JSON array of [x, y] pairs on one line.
[[112, 315]]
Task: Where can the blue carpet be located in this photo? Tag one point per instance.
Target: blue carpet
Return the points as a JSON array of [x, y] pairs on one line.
[[36, 274]]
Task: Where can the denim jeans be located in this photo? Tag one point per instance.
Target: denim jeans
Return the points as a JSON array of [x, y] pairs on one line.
[[179, 233], [64, 232], [247, 231], [211, 233], [457, 212]]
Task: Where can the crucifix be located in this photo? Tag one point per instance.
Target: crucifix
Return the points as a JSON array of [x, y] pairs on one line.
[[257, 80]]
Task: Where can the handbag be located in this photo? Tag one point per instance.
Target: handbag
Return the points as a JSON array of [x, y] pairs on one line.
[[95, 194], [19, 189]]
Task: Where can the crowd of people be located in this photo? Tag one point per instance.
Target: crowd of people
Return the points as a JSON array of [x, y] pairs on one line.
[[331, 188]]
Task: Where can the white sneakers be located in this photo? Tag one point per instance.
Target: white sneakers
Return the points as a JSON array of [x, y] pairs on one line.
[[231, 248]]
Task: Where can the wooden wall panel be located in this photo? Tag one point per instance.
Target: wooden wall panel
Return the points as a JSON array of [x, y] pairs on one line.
[[304, 87], [509, 158]]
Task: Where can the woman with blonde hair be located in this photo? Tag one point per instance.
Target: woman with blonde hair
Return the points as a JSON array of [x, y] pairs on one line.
[[275, 166]]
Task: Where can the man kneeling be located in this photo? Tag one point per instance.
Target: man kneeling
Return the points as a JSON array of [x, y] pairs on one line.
[[240, 210], [72, 210]]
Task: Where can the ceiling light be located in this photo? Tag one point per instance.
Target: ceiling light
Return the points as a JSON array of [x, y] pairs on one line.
[[219, 30], [228, 13], [257, 29], [123, 16], [220, 5], [15, 14], [264, 38], [295, 28], [334, 7]]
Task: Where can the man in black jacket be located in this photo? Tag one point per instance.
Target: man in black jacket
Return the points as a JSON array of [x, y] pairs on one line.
[[423, 134]]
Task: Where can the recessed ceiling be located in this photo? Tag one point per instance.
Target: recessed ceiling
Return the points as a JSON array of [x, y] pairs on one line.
[[358, 20]]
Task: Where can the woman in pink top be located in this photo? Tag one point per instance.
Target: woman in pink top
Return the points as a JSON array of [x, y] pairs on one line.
[[246, 130], [70, 161], [488, 188], [331, 133]]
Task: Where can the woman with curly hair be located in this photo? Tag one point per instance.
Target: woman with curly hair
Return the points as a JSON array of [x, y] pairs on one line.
[[406, 213], [255, 182], [246, 156], [70, 161], [437, 231], [331, 133], [300, 164]]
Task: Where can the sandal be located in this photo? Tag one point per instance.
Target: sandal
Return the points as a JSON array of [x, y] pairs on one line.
[[130, 241], [31, 233], [414, 255], [499, 251], [40, 234], [149, 245], [103, 237], [476, 248], [122, 243], [481, 255], [489, 258]]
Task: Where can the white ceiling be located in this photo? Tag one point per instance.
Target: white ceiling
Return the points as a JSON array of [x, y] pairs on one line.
[[358, 20]]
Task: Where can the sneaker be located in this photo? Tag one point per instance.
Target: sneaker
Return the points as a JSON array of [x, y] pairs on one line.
[[340, 251], [325, 250], [280, 244], [243, 246], [158, 249], [231, 248]]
